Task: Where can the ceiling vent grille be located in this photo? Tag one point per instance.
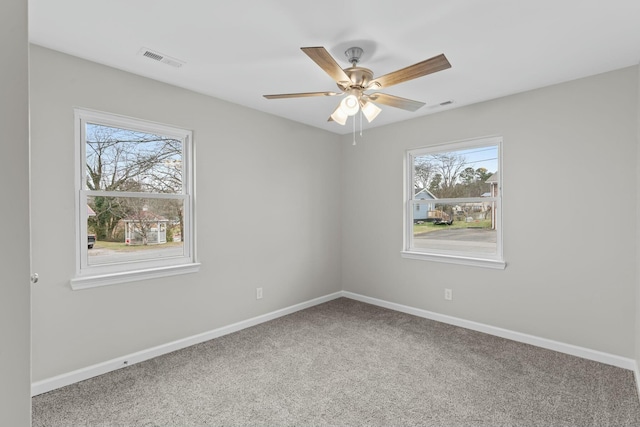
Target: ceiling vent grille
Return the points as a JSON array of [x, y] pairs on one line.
[[442, 104], [160, 57]]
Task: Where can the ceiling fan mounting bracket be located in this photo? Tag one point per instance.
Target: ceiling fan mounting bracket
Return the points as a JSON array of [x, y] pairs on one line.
[[353, 55]]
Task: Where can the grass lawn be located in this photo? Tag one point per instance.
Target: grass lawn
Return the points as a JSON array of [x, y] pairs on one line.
[[427, 227], [121, 247]]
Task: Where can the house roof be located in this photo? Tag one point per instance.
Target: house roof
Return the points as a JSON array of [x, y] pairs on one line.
[[146, 216], [493, 179], [426, 192]]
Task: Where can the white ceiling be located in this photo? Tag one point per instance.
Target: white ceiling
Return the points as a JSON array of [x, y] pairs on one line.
[[240, 50]]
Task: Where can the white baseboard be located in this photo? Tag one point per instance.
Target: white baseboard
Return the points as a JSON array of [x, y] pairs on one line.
[[585, 353], [53, 383]]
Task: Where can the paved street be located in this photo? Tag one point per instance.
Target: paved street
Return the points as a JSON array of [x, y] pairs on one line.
[[457, 239], [107, 256]]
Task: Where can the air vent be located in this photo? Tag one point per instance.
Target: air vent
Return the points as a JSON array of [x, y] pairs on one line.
[[160, 57], [442, 104]]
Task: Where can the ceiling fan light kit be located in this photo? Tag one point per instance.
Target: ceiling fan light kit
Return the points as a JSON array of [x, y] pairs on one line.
[[354, 82]]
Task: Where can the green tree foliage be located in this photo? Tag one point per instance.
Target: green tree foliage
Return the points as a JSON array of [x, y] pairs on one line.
[[434, 184]]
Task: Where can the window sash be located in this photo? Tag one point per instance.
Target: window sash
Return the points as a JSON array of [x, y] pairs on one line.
[[127, 265], [411, 245], [141, 195], [456, 200], [84, 117]]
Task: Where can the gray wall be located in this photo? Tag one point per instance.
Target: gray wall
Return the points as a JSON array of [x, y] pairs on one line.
[[15, 390], [268, 215], [570, 187]]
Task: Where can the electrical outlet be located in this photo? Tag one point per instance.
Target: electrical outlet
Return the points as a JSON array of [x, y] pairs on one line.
[[448, 294], [258, 293]]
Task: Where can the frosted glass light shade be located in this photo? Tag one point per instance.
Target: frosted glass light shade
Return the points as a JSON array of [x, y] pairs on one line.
[[339, 115], [350, 105], [370, 111]]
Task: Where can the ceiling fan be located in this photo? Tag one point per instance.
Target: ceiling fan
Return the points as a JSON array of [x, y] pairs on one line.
[[356, 82]]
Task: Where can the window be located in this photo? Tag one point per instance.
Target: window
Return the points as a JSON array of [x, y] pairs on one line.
[[453, 203], [134, 197]]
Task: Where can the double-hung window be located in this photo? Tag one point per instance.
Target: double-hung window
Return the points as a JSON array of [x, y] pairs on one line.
[[453, 203], [134, 200]]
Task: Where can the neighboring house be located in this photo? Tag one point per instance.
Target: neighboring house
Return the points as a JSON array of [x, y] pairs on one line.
[[493, 192], [145, 228], [421, 211], [493, 182]]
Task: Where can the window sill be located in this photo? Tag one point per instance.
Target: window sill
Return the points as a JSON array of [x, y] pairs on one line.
[[87, 282], [455, 259]]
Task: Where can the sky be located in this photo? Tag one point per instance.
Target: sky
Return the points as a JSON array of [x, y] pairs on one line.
[[485, 157], [476, 157]]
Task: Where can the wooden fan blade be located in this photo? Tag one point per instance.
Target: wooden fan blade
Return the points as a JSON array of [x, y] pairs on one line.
[[395, 101], [300, 95], [432, 65], [321, 57]]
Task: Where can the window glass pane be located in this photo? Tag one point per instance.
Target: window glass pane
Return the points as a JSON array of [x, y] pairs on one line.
[[460, 227], [455, 174], [127, 160], [123, 229]]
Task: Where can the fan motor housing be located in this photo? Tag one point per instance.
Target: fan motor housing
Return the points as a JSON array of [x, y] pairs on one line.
[[360, 77]]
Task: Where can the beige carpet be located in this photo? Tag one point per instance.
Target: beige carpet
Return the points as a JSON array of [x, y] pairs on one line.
[[346, 363]]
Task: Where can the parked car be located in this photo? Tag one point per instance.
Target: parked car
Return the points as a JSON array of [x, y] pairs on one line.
[[443, 222], [92, 240]]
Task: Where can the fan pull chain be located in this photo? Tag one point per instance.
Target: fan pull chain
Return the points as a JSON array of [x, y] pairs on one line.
[[354, 131], [361, 123]]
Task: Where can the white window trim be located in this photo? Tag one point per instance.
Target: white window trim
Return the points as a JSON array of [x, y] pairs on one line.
[[496, 260], [92, 276]]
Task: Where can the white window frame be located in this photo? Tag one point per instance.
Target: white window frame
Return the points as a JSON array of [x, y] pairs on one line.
[[89, 276], [449, 256]]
